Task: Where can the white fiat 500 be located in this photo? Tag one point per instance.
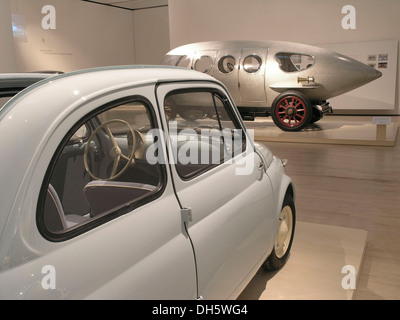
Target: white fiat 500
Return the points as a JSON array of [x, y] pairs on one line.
[[136, 183]]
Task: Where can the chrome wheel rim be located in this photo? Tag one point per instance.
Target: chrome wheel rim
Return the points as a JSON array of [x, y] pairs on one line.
[[284, 234]]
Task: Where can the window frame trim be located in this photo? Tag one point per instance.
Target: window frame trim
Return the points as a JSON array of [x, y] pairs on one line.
[[220, 63], [294, 53], [224, 99], [259, 60], [200, 60], [93, 223]]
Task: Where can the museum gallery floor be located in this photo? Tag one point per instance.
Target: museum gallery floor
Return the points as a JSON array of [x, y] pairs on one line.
[[348, 211]]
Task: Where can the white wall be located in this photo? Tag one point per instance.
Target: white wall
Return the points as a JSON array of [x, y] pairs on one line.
[[86, 35], [151, 28], [7, 54], [305, 21], [89, 35]]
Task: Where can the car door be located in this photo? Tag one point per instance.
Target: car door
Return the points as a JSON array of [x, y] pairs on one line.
[[129, 244], [228, 70], [228, 193], [252, 75]]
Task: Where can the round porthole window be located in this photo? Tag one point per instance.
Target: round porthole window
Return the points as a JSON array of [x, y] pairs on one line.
[[176, 60], [252, 63], [226, 64], [184, 62], [204, 64]]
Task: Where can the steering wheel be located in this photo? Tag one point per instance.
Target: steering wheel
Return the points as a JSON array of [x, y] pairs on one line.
[[115, 153]]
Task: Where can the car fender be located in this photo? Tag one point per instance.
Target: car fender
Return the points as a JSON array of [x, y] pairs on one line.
[[281, 184]]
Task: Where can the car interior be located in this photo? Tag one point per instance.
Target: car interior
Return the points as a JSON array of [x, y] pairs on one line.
[[104, 166], [101, 168]]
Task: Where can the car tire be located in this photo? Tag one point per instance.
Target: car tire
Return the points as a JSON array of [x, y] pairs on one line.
[[316, 115], [284, 237], [291, 111]]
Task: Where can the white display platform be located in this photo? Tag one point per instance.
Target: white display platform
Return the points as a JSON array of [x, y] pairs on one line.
[[329, 130], [314, 269]]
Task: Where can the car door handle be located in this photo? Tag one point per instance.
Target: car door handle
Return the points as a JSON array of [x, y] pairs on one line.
[[261, 168]]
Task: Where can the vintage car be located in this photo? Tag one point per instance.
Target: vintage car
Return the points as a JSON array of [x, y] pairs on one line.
[[136, 182], [289, 81], [12, 83]]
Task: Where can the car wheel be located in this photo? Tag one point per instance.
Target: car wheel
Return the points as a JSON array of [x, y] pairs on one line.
[[284, 236], [316, 116], [291, 111]]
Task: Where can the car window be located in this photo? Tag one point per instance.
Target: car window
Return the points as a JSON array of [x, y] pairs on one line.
[[226, 64], [202, 130], [176, 60], [292, 62], [204, 64], [252, 63], [101, 169]]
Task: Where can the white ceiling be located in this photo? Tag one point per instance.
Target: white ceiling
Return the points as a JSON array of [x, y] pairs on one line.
[[132, 4]]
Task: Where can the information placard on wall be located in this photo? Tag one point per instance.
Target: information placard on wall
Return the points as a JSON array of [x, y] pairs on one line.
[[378, 94]]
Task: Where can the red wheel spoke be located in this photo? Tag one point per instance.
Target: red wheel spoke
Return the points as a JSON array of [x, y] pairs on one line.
[[291, 111], [297, 104], [287, 103]]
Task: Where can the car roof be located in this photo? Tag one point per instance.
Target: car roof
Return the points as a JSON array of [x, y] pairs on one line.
[[94, 80], [238, 45], [12, 83], [29, 119]]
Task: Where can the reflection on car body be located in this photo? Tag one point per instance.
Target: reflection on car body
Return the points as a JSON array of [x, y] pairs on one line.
[[129, 182]]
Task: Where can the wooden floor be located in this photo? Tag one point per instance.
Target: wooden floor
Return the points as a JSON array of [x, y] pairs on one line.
[[356, 187]]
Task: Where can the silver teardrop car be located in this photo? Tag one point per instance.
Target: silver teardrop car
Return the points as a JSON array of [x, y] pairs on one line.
[[136, 182], [289, 81]]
